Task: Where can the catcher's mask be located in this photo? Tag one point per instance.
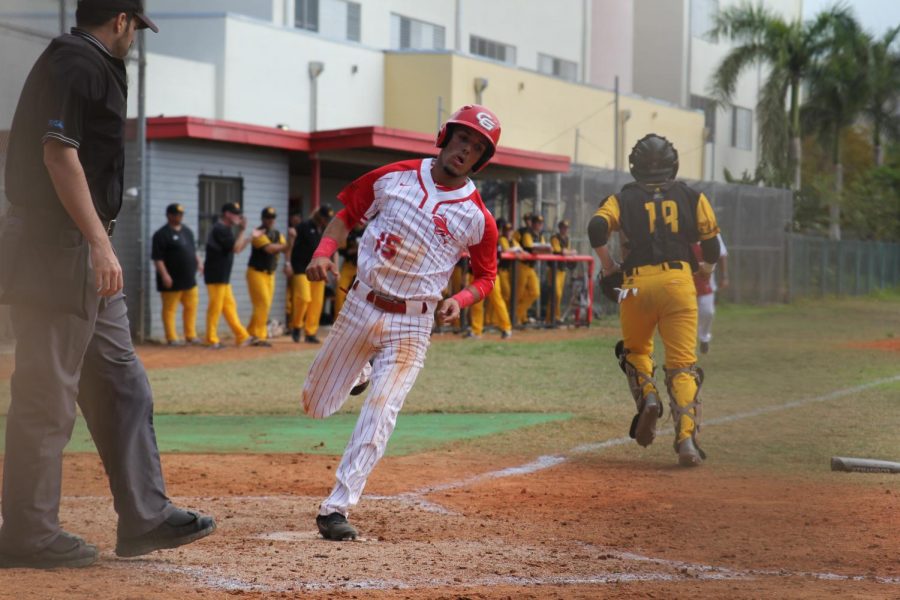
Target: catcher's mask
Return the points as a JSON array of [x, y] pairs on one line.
[[477, 118], [653, 159]]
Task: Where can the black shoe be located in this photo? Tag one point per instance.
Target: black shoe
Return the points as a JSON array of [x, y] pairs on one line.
[[359, 389], [295, 335], [183, 527], [336, 527], [66, 551], [311, 339], [255, 341]]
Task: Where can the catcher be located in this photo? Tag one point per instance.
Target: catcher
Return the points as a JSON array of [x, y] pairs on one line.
[[660, 218]]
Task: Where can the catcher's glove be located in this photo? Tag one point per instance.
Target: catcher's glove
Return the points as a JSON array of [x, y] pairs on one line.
[[609, 284]]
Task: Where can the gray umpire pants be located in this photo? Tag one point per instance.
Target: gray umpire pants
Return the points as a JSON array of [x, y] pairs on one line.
[[62, 360]]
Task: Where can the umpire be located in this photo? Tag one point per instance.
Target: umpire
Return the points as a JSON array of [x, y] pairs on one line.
[[64, 180]]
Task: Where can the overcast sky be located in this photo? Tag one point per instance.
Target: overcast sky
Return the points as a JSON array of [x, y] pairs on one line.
[[876, 16]]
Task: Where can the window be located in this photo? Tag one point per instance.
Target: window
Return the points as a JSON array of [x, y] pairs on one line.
[[709, 115], [306, 14], [495, 50], [354, 21], [558, 67], [214, 193], [703, 16], [411, 34], [742, 128]]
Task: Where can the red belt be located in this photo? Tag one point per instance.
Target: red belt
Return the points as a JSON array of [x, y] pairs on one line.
[[388, 304]]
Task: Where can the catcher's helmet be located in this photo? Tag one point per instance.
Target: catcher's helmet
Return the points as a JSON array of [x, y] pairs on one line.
[[653, 159], [477, 118]]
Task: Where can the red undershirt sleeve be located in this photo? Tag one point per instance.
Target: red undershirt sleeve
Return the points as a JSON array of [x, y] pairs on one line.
[[483, 257]]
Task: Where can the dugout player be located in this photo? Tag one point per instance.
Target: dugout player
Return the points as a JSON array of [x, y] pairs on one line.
[[266, 243], [175, 257], [64, 175], [560, 245], [348, 252], [308, 296], [528, 285], [497, 312], [221, 246], [421, 215], [660, 218]]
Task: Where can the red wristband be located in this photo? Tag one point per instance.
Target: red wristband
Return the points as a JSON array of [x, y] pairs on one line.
[[327, 247], [465, 298]]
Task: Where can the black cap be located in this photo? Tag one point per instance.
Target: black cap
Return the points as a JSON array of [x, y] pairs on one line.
[[563, 223], [269, 213], [325, 211], [131, 7], [174, 209], [537, 219], [232, 207]]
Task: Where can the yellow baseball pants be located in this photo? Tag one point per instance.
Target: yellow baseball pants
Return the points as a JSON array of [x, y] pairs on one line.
[[261, 286], [527, 292], [309, 297], [558, 287], [665, 299], [496, 310], [189, 299], [221, 302], [348, 272]]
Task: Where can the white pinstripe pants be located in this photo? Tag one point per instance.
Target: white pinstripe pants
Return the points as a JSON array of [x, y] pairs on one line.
[[398, 343]]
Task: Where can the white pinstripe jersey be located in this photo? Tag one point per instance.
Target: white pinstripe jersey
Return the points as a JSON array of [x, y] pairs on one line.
[[416, 232]]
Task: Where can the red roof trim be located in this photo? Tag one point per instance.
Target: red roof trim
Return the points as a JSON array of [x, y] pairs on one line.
[[160, 128]]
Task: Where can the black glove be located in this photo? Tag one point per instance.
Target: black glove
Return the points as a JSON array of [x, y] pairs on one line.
[[609, 284]]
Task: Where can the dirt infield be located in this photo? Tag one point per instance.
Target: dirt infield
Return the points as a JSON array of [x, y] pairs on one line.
[[583, 528]]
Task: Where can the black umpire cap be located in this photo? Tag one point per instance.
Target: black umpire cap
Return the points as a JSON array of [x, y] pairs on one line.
[[232, 207], [131, 7], [174, 209]]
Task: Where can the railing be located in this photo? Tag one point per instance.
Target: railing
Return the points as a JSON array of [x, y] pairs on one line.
[[819, 267]]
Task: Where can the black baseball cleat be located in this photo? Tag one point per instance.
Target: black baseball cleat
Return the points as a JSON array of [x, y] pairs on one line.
[[67, 552], [335, 527], [311, 339], [359, 388], [182, 527], [295, 335]]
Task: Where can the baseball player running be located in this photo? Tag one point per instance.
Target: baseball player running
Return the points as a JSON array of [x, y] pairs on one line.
[[421, 216], [661, 218]]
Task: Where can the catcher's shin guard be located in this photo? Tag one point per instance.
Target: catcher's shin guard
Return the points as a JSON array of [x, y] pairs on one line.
[[649, 408], [688, 450]]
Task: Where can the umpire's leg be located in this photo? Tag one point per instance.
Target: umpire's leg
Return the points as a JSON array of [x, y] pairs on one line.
[[49, 351], [117, 403]]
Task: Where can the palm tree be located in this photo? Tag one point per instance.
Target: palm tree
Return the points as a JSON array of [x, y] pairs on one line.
[[789, 49], [837, 94], [882, 108]]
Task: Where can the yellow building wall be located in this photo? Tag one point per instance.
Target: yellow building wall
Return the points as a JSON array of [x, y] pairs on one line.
[[537, 112]]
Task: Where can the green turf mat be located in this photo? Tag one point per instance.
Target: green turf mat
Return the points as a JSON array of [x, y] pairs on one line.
[[242, 434]]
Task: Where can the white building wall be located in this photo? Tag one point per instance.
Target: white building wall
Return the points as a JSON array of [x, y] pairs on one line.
[[612, 48]]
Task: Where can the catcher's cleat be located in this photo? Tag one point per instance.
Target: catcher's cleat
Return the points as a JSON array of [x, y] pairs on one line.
[[643, 427], [688, 453], [335, 527]]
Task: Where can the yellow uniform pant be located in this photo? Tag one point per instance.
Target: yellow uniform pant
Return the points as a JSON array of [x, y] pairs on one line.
[[309, 297], [497, 312], [528, 290], [261, 286], [558, 287], [221, 302], [189, 299], [664, 299], [505, 284], [348, 272]]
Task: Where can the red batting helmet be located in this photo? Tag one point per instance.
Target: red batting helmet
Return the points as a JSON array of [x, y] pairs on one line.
[[477, 118]]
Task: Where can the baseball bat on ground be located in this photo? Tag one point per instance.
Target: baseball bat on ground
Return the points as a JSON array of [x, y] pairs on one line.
[[863, 465]]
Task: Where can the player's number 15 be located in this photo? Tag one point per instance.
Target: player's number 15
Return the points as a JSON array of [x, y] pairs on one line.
[[388, 244]]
